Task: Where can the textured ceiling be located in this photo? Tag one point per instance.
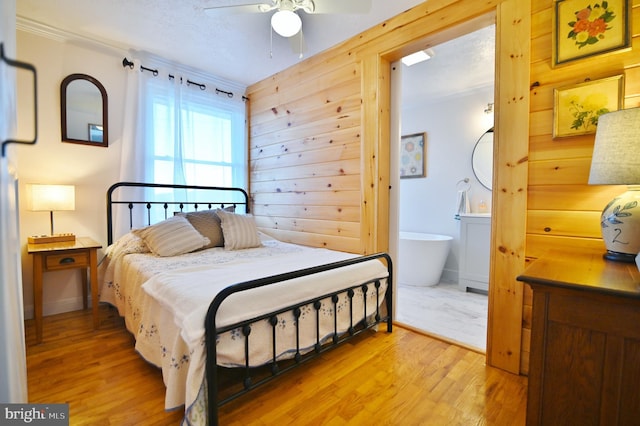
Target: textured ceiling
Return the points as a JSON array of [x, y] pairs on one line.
[[458, 66], [238, 47]]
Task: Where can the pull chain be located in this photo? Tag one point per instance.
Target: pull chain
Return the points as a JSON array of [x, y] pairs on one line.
[[270, 42]]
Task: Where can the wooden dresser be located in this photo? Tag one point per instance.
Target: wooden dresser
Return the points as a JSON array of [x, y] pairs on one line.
[[585, 340]]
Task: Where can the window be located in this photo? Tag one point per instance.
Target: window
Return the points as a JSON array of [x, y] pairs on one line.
[[203, 143], [197, 139], [180, 133]]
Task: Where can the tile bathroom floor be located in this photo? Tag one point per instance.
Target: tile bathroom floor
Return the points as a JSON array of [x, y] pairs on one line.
[[445, 311]]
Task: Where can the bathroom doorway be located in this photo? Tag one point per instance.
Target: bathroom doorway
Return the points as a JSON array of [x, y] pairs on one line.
[[448, 99]]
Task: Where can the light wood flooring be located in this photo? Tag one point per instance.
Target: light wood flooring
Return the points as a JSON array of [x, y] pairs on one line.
[[401, 378], [446, 312]]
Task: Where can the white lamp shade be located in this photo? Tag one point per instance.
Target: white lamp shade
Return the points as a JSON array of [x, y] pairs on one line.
[[616, 153], [286, 23], [52, 197]]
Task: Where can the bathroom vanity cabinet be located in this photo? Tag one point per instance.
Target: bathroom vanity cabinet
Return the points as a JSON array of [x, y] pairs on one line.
[[475, 243], [584, 367]]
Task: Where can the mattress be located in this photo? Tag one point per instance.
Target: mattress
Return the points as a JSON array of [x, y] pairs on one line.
[[164, 301]]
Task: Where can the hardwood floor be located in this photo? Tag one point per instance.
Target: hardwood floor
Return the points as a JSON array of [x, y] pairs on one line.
[[402, 378]]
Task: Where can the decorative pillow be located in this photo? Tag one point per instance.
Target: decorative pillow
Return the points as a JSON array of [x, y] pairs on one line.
[[172, 237], [239, 231], [207, 223], [128, 243]]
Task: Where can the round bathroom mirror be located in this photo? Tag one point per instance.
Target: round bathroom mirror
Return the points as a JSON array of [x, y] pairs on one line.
[[482, 159]]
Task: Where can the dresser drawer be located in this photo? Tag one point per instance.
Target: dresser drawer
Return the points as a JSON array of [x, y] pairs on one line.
[[77, 259]]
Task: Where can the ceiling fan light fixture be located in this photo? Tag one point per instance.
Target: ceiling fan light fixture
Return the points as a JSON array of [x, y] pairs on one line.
[[286, 23]]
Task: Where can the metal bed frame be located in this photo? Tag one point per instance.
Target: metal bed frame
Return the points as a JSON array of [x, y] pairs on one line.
[[252, 377]]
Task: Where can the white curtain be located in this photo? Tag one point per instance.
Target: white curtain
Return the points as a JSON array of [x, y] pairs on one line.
[[158, 123]]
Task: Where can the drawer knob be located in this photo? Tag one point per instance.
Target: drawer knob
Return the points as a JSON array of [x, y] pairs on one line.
[[67, 260]]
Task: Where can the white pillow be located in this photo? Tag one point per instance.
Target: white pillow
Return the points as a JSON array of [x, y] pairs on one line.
[[239, 231], [128, 243], [172, 237]]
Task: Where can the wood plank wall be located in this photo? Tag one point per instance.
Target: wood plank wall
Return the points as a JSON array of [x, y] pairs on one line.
[[319, 136], [305, 144], [319, 148], [563, 210]]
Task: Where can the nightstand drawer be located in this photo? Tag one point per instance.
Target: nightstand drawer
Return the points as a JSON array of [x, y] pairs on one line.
[[66, 260]]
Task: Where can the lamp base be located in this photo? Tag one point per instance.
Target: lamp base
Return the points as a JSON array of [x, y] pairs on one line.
[[620, 257], [620, 225]]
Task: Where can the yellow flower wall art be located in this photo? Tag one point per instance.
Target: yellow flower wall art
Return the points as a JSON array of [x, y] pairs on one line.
[[585, 27], [578, 107], [412, 156]]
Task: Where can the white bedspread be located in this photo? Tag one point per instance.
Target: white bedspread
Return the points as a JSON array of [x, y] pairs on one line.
[[165, 300]]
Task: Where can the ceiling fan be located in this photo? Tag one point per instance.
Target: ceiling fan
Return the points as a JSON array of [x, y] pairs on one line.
[[286, 21]]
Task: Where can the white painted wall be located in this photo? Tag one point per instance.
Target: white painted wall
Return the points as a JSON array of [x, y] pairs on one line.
[[453, 125], [91, 169]]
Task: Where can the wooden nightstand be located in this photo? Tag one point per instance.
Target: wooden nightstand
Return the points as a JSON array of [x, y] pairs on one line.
[[81, 253]]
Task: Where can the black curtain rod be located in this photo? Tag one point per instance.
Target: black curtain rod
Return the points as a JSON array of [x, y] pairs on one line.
[[153, 71], [229, 94], [202, 86]]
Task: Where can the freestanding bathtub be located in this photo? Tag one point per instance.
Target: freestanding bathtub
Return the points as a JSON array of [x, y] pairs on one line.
[[421, 258]]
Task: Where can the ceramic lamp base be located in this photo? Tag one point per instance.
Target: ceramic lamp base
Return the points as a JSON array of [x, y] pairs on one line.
[[619, 257], [620, 222]]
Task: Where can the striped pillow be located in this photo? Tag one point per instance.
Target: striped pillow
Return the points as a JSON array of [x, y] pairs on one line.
[[207, 223], [239, 231], [172, 237]]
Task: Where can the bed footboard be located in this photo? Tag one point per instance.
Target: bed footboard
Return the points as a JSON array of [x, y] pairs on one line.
[[360, 322]]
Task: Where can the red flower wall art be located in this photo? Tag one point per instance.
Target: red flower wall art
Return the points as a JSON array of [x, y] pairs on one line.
[[584, 28]]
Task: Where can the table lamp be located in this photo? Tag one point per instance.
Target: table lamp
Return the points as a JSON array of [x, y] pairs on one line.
[[52, 198], [616, 161]]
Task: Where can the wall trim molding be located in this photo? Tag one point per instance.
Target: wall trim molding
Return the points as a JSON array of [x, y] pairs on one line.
[[117, 49]]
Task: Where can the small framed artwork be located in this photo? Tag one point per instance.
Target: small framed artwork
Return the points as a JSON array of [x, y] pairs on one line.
[[576, 108], [583, 28], [412, 156], [95, 133]]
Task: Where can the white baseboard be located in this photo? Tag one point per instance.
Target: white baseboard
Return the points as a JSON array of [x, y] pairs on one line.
[[56, 307], [449, 275]]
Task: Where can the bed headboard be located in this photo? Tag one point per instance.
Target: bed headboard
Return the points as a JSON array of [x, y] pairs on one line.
[[136, 194]]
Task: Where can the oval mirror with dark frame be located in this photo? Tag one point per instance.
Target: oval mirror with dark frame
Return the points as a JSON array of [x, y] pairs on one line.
[[482, 159], [83, 111]]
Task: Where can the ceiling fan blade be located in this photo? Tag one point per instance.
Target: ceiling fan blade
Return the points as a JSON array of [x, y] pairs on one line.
[[342, 6], [241, 8], [298, 45]]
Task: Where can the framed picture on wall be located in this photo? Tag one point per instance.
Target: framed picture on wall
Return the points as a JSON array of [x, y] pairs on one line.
[[576, 108], [412, 156], [583, 28]]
